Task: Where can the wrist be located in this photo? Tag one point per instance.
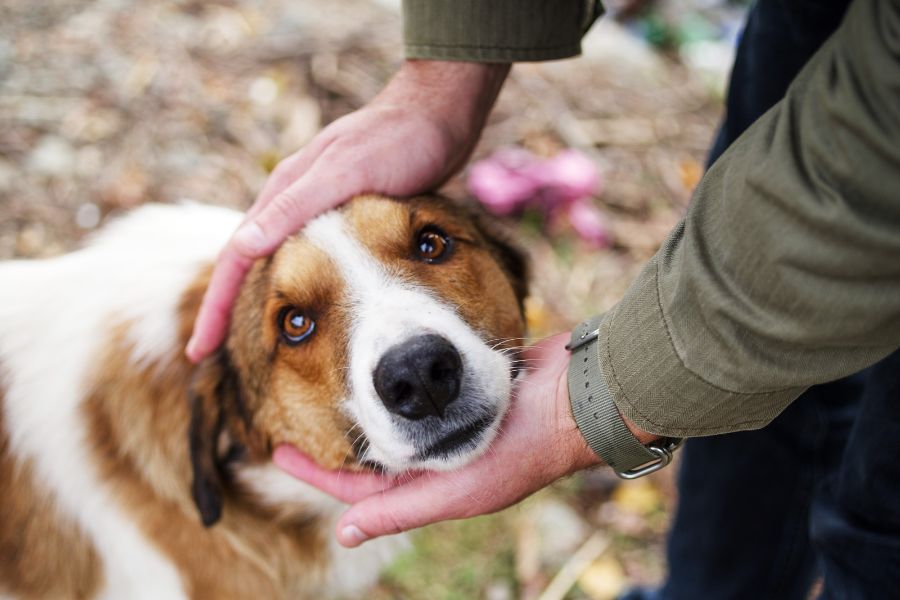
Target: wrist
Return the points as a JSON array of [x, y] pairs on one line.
[[457, 95], [642, 436], [577, 455]]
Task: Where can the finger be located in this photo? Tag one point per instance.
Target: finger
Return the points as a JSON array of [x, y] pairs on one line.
[[425, 500], [540, 350], [259, 236], [346, 486], [211, 324], [288, 171], [319, 190]]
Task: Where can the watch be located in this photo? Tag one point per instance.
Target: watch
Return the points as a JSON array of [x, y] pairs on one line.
[[596, 414]]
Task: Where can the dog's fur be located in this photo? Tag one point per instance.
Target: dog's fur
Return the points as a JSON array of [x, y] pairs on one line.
[[111, 443]]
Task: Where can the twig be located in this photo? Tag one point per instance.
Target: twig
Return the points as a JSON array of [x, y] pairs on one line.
[[575, 566]]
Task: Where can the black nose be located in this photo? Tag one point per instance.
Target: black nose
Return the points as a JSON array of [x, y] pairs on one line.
[[419, 377]]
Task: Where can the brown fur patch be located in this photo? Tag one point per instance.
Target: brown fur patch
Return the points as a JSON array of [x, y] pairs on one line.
[[475, 278], [139, 424], [42, 554], [305, 380]]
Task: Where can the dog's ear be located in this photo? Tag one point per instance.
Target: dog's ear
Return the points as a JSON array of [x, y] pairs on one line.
[[506, 251], [214, 390]]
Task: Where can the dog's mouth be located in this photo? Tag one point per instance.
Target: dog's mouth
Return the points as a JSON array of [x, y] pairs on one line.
[[463, 438], [458, 441]]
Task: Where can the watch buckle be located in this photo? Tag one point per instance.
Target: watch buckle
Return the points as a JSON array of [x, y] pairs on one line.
[[663, 458], [586, 338]]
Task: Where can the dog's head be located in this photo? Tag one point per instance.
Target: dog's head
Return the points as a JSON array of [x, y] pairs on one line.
[[382, 333]]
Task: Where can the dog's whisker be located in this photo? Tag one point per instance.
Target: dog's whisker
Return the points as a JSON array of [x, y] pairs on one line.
[[350, 449]]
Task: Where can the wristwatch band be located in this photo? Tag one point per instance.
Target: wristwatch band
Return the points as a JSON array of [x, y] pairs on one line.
[[596, 414]]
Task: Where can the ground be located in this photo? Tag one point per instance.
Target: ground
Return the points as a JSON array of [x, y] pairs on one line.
[[108, 104]]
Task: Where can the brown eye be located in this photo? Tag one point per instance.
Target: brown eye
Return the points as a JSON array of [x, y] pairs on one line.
[[296, 326], [433, 245]]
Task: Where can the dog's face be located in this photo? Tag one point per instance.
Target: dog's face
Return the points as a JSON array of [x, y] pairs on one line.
[[382, 333]]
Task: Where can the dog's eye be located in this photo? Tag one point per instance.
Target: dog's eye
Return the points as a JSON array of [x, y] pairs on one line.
[[296, 326], [433, 245]]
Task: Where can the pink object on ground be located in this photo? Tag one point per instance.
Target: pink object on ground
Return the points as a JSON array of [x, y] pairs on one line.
[[569, 176], [501, 189], [590, 224], [513, 179]]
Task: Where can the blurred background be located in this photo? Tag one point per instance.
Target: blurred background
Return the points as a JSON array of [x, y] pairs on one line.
[[106, 104]]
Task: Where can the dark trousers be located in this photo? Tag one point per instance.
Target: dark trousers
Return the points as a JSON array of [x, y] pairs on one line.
[[763, 514]]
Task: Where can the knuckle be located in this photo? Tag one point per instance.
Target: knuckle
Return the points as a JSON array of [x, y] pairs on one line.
[[282, 176], [391, 524], [284, 207]]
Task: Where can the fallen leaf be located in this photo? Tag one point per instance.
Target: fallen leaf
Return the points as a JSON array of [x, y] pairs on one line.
[[603, 580], [639, 496], [690, 171], [536, 316]]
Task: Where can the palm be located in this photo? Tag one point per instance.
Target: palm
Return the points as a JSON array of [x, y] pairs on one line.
[[539, 443]]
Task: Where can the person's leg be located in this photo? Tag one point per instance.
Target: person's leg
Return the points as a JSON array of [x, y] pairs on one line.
[[856, 516], [741, 526], [746, 534], [778, 38]]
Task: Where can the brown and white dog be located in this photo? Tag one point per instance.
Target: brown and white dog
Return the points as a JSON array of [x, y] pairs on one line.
[[376, 335]]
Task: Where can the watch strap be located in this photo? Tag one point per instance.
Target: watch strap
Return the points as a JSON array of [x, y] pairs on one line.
[[595, 411]]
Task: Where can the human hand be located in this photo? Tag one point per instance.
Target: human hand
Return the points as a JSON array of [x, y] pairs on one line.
[[414, 135], [539, 443]]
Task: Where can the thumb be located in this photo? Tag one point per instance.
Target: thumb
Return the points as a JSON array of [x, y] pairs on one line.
[[247, 244], [430, 498], [346, 486], [315, 192], [259, 235], [212, 319]]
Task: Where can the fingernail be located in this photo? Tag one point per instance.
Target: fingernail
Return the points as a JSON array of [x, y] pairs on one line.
[[251, 237], [351, 535]]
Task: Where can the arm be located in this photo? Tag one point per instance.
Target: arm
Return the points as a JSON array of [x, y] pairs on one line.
[[785, 272]]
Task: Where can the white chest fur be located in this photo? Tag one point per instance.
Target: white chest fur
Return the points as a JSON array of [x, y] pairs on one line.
[[54, 317]]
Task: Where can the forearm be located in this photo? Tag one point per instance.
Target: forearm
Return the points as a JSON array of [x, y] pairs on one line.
[[786, 270]]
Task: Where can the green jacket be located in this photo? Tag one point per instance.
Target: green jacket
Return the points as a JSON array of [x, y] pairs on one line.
[[785, 271]]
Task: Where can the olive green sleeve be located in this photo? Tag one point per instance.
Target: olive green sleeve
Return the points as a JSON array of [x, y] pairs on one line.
[[785, 271], [496, 30]]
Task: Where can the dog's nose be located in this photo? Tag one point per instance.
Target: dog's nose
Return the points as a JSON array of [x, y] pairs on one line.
[[419, 377]]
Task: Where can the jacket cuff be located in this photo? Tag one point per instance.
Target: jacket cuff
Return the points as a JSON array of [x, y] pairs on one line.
[[496, 30], [651, 385]]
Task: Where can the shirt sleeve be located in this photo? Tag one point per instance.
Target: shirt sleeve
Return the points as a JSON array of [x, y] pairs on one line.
[[785, 271], [496, 30]]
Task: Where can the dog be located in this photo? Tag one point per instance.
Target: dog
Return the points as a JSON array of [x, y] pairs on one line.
[[379, 336]]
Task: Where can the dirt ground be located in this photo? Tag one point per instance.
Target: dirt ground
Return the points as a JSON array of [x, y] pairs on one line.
[[107, 104]]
